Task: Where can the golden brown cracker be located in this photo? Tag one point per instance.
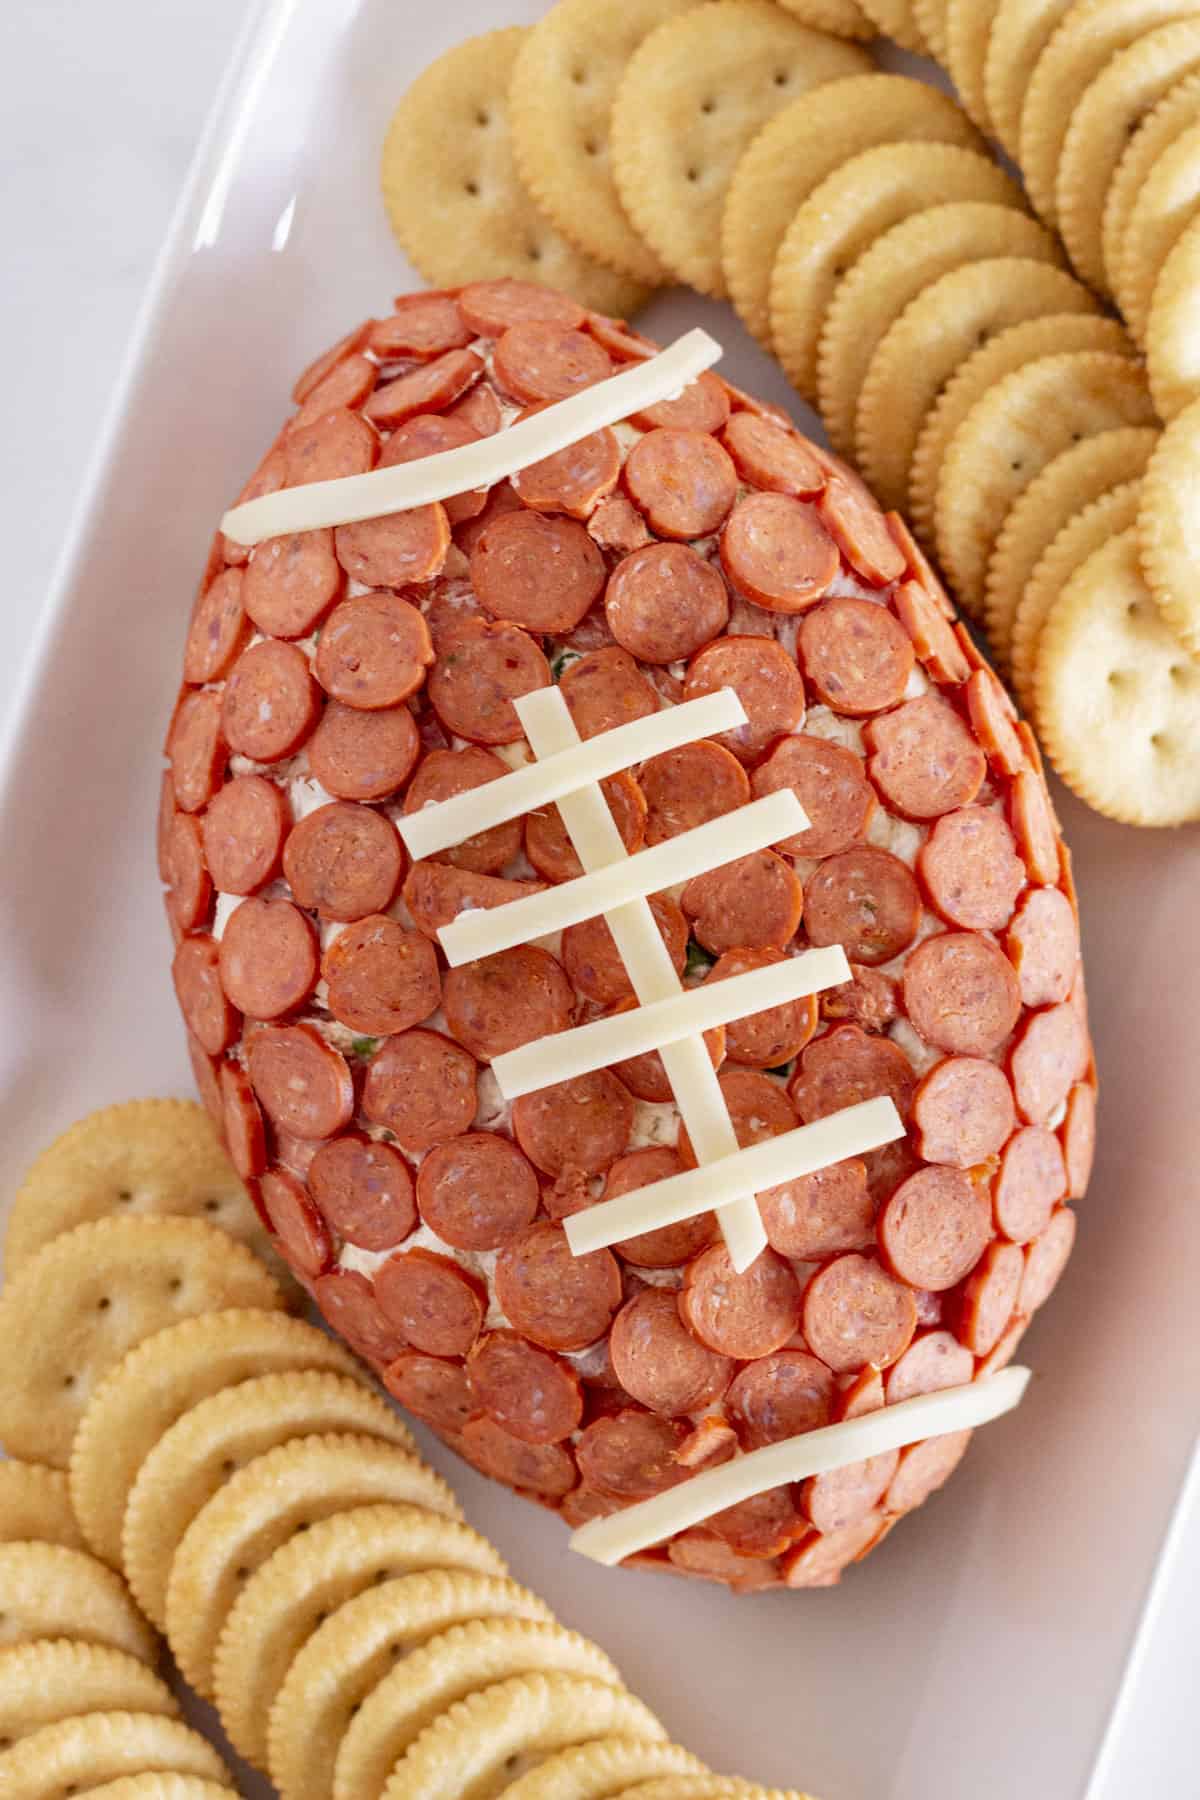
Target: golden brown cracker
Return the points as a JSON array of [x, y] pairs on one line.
[[840, 18], [73, 1310], [51, 1679], [798, 149], [897, 20], [35, 1505], [1167, 204], [48, 1591], [452, 192], [604, 1768], [1167, 527], [1117, 697], [1020, 32], [931, 22], [710, 1787], [968, 34], [158, 1785], [76, 1755], [1172, 340], [693, 97], [1171, 117]]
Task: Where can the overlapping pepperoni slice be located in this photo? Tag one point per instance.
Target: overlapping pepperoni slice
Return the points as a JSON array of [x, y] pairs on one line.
[[970, 868], [428, 389], [777, 552], [857, 658], [430, 434], [1079, 1138], [963, 1112], [687, 787], [1043, 945], [189, 884], [434, 1389], [271, 702], [935, 1228], [830, 782], [268, 958], [579, 1124], [1032, 1177], [667, 1245], [244, 829], [560, 1301], [702, 406], [532, 1393], [421, 1086], [989, 1296], [197, 749], [766, 681], [212, 1021], [433, 1303], [779, 1397], [320, 366], [774, 1036], [423, 326], [291, 583], [475, 681], [302, 1234], [490, 307], [605, 689], [435, 893], [866, 900], [665, 602], [347, 384], [867, 999], [359, 755], [660, 1362], [338, 444], [595, 966], [502, 1001], [549, 848], [924, 1468], [381, 977], [753, 903], [1034, 824], [742, 1316], [242, 1122], [771, 456], [444, 773], [303, 1084], [631, 1455], [364, 1191], [1045, 1260], [847, 1065], [218, 630], [343, 860], [961, 993], [857, 524], [348, 1302], [683, 482], [538, 572], [994, 723], [374, 650], [477, 1191], [1049, 1057], [933, 1361], [573, 480], [547, 1470], [538, 360], [855, 1314], [822, 1214], [924, 759], [932, 638], [617, 525]]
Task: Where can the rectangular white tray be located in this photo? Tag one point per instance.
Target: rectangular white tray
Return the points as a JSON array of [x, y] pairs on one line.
[[981, 1652]]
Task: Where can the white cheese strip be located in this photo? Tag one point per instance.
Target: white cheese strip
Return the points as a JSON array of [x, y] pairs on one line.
[[851, 1132], [486, 930], [445, 822], [492, 459], [701, 1009], [795, 1459], [590, 826]]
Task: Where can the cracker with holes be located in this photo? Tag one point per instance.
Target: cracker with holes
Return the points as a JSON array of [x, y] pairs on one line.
[[693, 97], [1172, 342], [78, 1754], [76, 1308], [1167, 203], [1020, 32], [607, 1766], [1117, 697], [1174, 117], [1167, 527], [60, 1678], [35, 1504], [453, 195], [48, 1591]]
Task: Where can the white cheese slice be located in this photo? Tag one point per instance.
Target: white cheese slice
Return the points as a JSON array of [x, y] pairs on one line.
[[492, 459], [795, 1459]]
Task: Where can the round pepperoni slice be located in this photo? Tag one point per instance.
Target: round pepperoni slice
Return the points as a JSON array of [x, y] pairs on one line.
[[774, 1036], [822, 1214], [549, 848], [1049, 1058], [433, 1303], [591, 958], [867, 999], [754, 902], [381, 978], [364, 1191], [374, 651], [347, 384], [1031, 1179], [742, 1316], [196, 750], [604, 689], [490, 307], [963, 1112], [423, 326], [205, 1072], [432, 1389], [560, 1301], [573, 480], [303, 1084], [933, 1361], [924, 1468], [500, 500], [932, 638], [758, 1108], [664, 602], [477, 1191], [480, 409], [970, 869], [858, 526], [708, 1444], [771, 456], [268, 958], [291, 583], [702, 406], [924, 760], [762, 1526], [682, 481], [961, 993], [989, 1296], [1043, 946], [582, 1124], [537, 359], [475, 681], [421, 1085], [701, 1554], [532, 1393], [994, 723], [338, 444], [343, 861], [542, 573], [363, 755], [502, 1001], [546, 1470], [348, 1303], [935, 1228], [271, 702], [659, 1362], [856, 655], [206, 1012], [866, 900], [646, 1077], [855, 1314], [1079, 1138], [668, 1245], [765, 680], [429, 434], [831, 785], [218, 631], [631, 1455], [777, 553], [779, 1397], [444, 773], [1045, 1260], [847, 1065], [302, 1234], [189, 885], [244, 830], [435, 893], [245, 1136], [838, 1502], [429, 389], [165, 819], [321, 365], [687, 787]]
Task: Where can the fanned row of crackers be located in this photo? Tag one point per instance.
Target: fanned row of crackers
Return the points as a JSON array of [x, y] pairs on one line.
[[197, 1461], [955, 329]]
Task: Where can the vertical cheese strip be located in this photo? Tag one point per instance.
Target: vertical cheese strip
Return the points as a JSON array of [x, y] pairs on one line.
[[636, 1527], [549, 727]]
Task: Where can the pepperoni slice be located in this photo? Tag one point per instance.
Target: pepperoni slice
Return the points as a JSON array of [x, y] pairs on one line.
[[701, 1554], [431, 1301], [348, 1303], [617, 525], [189, 885], [397, 548], [989, 1296], [923, 1469], [338, 444], [364, 1190], [532, 1393], [683, 481], [423, 326], [206, 1012], [218, 630], [583, 1124], [302, 1234], [480, 409], [549, 848], [542, 573], [659, 1362], [963, 1112], [501, 499], [743, 1316], [933, 1361], [165, 819], [866, 900], [303, 1084], [935, 1228], [436, 893], [196, 750], [546, 1470], [1043, 946], [344, 861], [932, 638], [476, 680], [1079, 1138], [777, 553], [992, 721], [204, 1072], [631, 1455], [421, 1085], [847, 1065], [1050, 1056], [374, 651], [708, 1445], [924, 760], [1045, 1260], [271, 702], [320, 367], [244, 830], [591, 958], [245, 1136], [381, 977], [429, 434], [1031, 1179], [703, 405], [687, 787], [537, 359], [560, 1301], [867, 999], [346, 384], [605, 689], [754, 902], [774, 1036], [762, 1526], [490, 307], [502, 1001], [268, 958], [970, 868], [268, 478], [840, 1500], [433, 1390], [771, 456], [918, 567], [363, 755], [444, 773], [291, 583], [831, 785], [667, 1245], [821, 1214], [646, 1077], [765, 680], [477, 1191], [665, 602], [758, 1108], [855, 654], [1033, 822], [779, 1397], [573, 480], [855, 1314], [429, 389], [854, 518], [961, 993]]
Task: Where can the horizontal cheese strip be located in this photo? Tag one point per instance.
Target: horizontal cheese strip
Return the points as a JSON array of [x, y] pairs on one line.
[[446, 822], [851, 1132], [485, 931], [492, 459], [795, 1459], [688, 1014], [592, 830]]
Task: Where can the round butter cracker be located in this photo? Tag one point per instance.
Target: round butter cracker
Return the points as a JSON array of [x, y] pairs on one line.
[[1020, 32], [931, 22], [604, 1768], [35, 1506], [1168, 203], [52, 1679], [897, 19], [48, 1591], [1171, 118], [77, 1755], [709, 1787], [840, 18], [968, 35], [1172, 338], [161, 1785], [1169, 527]]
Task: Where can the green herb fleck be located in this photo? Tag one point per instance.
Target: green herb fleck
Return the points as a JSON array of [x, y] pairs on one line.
[[699, 962], [364, 1047], [561, 661]]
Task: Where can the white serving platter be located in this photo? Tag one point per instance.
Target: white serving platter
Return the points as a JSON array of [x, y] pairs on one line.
[[982, 1652]]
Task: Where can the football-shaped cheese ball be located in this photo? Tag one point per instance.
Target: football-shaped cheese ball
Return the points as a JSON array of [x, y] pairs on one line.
[[337, 680]]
